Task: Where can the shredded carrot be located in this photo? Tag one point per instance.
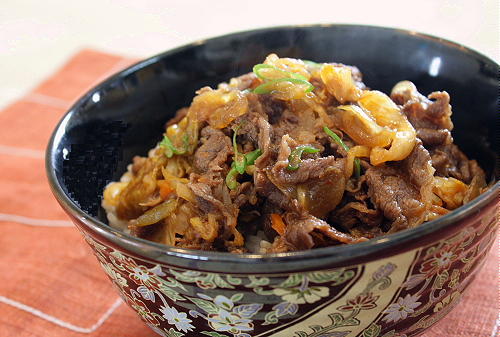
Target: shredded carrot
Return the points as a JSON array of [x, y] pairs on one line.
[[277, 224], [165, 188]]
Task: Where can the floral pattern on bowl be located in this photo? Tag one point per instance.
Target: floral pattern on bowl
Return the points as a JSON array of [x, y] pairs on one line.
[[399, 296]]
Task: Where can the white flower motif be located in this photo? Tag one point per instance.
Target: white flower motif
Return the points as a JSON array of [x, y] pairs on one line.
[[230, 322], [116, 277], [141, 274], [445, 259], [400, 310], [157, 270], [301, 296], [179, 319], [223, 302]]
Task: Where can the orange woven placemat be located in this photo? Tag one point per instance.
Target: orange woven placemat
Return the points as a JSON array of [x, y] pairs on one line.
[[51, 285]]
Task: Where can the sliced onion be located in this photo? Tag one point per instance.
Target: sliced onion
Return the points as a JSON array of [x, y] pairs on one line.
[[219, 107], [362, 128], [452, 191], [184, 192], [339, 83], [387, 114], [208, 230], [156, 214]]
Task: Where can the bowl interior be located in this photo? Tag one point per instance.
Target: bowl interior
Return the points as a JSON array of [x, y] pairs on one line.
[[125, 115]]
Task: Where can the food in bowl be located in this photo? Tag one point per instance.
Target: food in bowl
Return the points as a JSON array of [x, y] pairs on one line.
[[293, 156]]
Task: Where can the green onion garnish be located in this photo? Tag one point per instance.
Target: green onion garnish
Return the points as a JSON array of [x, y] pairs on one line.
[[231, 178], [357, 163], [357, 167], [170, 149], [295, 158], [312, 63], [239, 159], [335, 138], [266, 87], [257, 69], [250, 158], [269, 82]]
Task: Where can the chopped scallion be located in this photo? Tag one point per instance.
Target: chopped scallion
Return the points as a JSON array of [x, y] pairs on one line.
[[250, 158], [267, 87], [295, 158], [257, 69], [335, 138], [231, 178], [357, 163], [312, 63], [239, 159], [269, 82], [170, 149]]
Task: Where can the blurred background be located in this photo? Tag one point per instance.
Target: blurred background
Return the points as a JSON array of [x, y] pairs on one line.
[[36, 37]]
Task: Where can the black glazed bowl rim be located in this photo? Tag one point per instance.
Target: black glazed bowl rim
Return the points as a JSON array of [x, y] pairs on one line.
[[316, 256]]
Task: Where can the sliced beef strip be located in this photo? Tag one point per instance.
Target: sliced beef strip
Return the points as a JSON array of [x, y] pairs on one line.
[[356, 213], [245, 193], [273, 107], [207, 182], [299, 230], [433, 112], [205, 198], [145, 232], [211, 199], [214, 152], [264, 143], [283, 118], [418, 167], [289, 123], [309, 169], [431, 118], [266, 189], [432, 137], [449, 161], [356, 210], [316, 186], [398, 200], [249, 129], [330, 145], [196, 244], [403, 190], [367, 231], [248, 133], [263, 186]]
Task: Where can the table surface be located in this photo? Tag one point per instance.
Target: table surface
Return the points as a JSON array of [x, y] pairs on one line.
[[41, 35]]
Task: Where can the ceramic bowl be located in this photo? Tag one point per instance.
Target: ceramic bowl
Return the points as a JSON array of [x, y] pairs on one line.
[[397, 285]]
